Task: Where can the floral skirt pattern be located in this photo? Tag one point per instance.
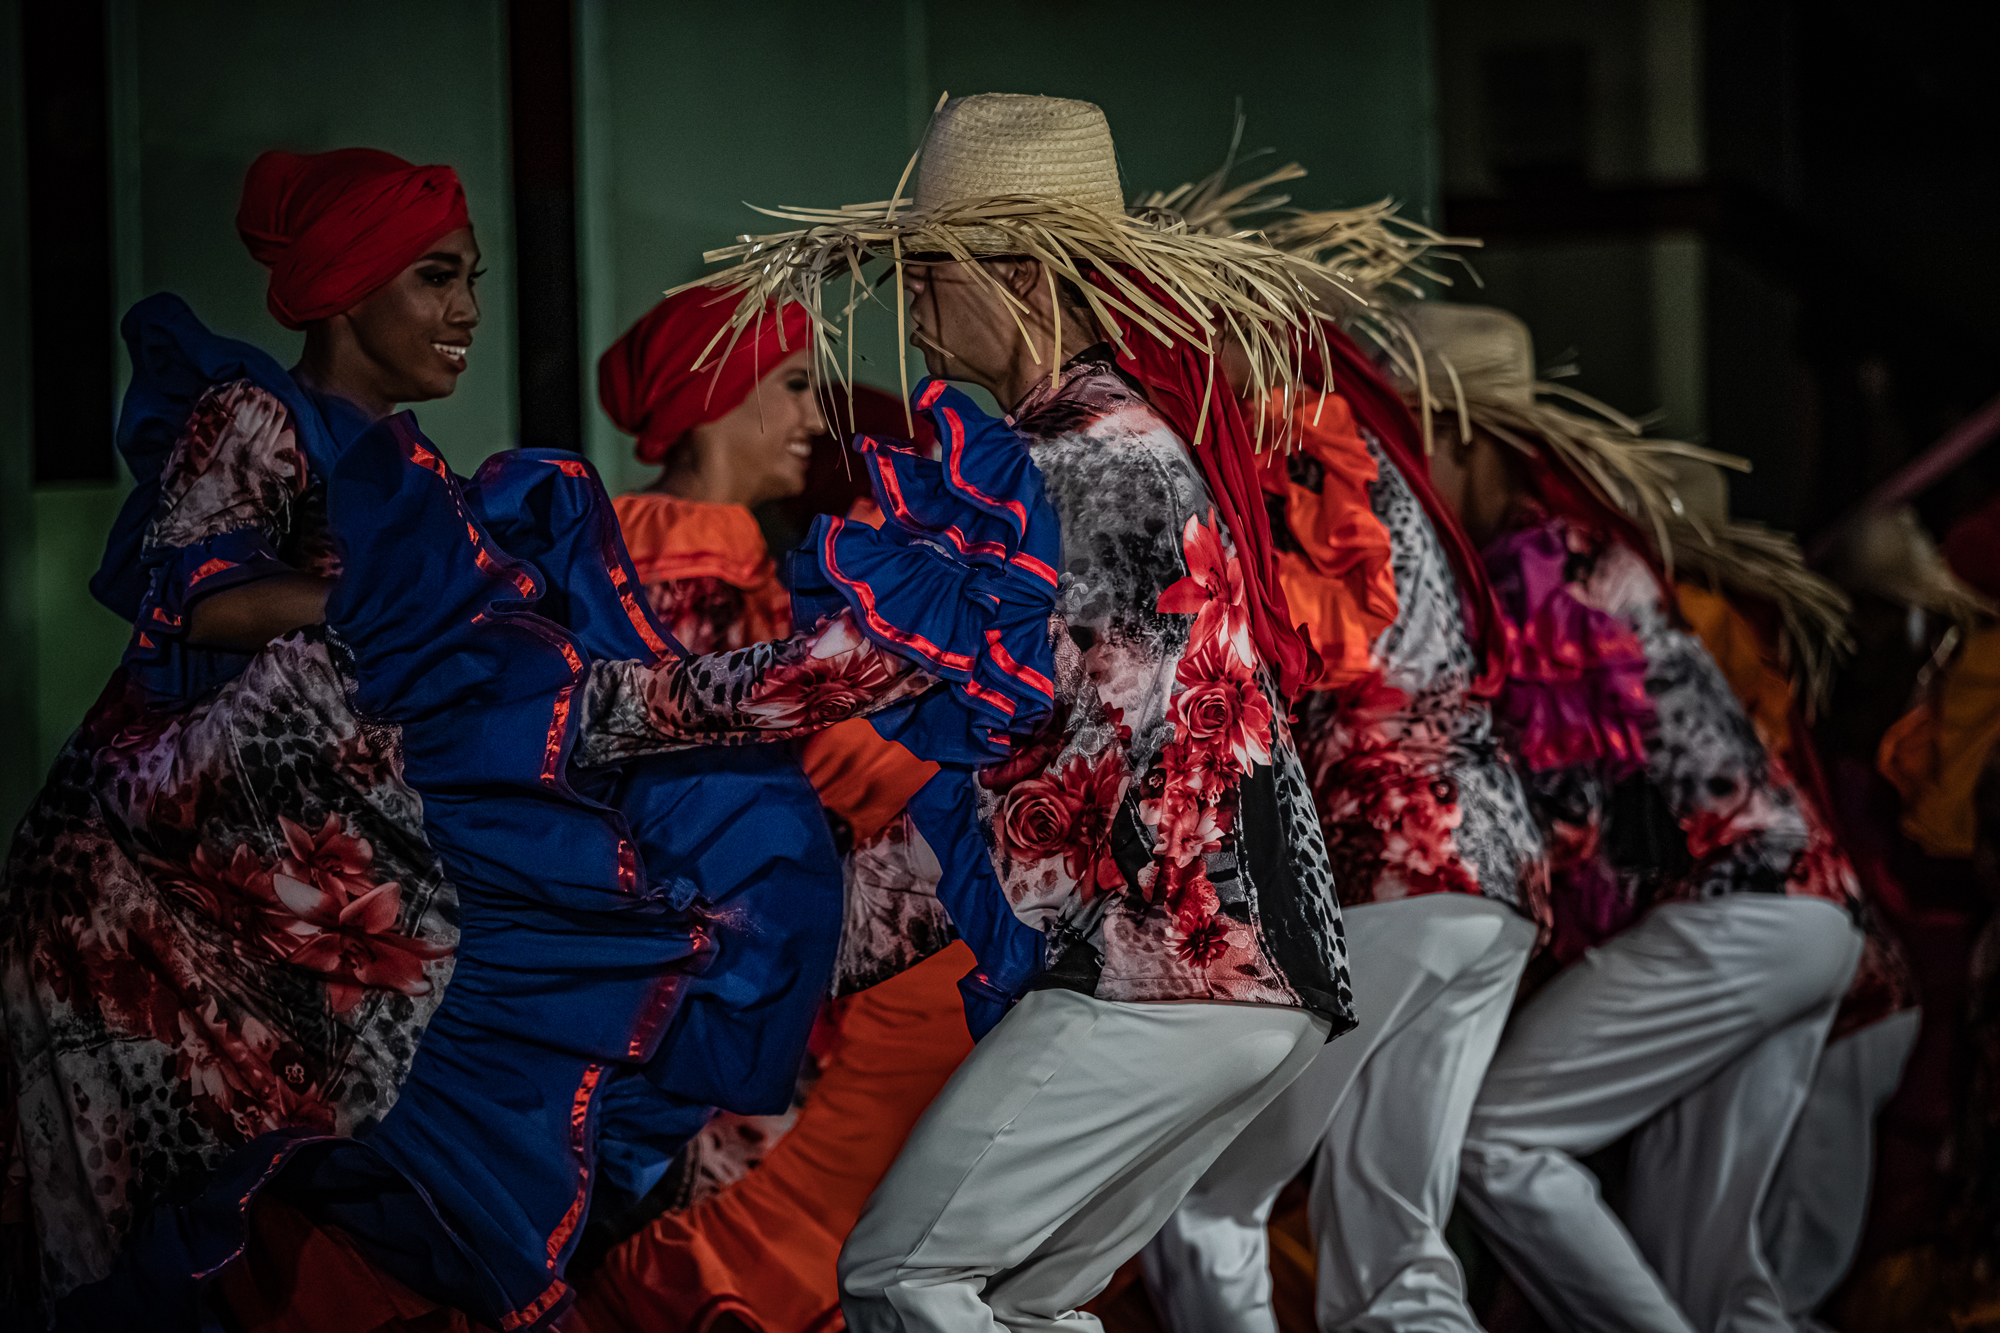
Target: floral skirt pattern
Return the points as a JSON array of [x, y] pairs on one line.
[[220, 922]]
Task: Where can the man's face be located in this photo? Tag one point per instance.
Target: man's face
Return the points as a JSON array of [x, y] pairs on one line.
[[959, 322]]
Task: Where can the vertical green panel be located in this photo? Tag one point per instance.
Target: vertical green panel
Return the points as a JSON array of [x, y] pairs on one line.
[[199, 88], [1341, 86], [20, 769]]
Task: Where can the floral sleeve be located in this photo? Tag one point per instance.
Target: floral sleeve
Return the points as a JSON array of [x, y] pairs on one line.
[[769, 691], [228, 497]]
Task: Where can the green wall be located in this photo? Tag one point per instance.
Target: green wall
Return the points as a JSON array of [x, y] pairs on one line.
[[20, 770], [686, 112]]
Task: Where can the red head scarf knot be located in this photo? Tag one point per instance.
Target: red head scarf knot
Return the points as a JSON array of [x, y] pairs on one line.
[[648, 382], [334, 227]]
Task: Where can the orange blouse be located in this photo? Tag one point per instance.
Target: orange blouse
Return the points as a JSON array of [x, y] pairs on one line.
[[1937, 753], [706, 570], [1757, 678]]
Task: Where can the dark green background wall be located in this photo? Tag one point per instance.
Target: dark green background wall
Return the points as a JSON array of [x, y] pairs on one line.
[[685, 113]]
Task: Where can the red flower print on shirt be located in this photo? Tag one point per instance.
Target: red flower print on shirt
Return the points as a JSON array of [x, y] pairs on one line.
[[1068, 813], [1221, 710], [845, 673], [331, 917], [1212, 592]]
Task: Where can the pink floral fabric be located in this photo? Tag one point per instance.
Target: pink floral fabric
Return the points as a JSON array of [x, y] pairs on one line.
[[1706, 810], [220, 921]]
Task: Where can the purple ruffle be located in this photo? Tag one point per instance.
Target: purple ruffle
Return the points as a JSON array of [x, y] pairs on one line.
[[1576, 677]]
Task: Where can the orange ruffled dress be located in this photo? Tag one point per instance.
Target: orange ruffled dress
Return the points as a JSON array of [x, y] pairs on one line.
[[764, 1247]]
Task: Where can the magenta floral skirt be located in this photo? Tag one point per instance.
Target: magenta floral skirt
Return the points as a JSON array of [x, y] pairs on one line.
[[220, 922]]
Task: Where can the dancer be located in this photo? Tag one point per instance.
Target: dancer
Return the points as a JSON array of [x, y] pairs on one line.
[[1777, 632], [1712, 919], [223, 916], [1442, 885], [1163, 838], [1438, 863], [763, 1246]]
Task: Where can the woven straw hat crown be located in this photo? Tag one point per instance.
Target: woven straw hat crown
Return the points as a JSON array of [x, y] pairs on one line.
[[1491, 352], [997, 144]]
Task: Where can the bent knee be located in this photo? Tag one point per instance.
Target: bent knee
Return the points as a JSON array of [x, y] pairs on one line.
[[1809, 961]]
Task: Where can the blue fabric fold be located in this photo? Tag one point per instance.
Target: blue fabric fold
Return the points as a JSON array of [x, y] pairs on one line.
[[961, 576]]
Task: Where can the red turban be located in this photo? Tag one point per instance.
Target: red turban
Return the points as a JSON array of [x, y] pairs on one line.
[[333, 227], [649, 385]]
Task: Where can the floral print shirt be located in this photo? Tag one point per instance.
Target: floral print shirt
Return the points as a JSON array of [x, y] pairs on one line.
[[1705, 810], [1164, 838], [1414, 791]]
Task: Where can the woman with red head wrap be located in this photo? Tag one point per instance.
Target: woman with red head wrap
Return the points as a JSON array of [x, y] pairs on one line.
[[730, 426], [225, 916]]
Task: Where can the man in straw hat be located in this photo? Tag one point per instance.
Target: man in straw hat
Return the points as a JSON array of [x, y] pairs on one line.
[[1442, 878], [1161, 834], [1711, 917]]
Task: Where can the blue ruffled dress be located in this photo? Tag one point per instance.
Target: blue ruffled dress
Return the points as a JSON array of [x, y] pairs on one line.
[[645, 938]]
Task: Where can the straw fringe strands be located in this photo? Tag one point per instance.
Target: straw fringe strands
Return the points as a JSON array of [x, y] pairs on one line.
[[1755, 561], [1218, 287]]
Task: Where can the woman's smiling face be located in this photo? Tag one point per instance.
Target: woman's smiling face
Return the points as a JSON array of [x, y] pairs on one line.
[[762, 445], [415, 332]]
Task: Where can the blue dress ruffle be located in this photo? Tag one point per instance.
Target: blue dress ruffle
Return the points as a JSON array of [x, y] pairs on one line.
[[961, 576]]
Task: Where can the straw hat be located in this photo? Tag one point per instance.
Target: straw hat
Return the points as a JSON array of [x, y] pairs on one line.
[[1889, 554], [1037, 177], [1478, 364], [1755, 561], [995, 144]]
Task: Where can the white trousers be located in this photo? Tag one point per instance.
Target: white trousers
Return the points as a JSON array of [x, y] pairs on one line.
[[1699, 1027], [1818, 1202], [1060, 1145], [1385, 1107]]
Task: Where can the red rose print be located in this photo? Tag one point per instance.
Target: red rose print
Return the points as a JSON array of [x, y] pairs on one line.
[[1220, 709], [1035, 824]]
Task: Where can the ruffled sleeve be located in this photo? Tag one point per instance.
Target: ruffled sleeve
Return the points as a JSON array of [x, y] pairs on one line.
[[1338, 570], [222, 444], [961, 577], [1576, 676]]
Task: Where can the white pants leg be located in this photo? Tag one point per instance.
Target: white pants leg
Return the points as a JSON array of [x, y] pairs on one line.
[[1060, 1145], [1386, 1107], [1813, 1215], [1724, 1001]]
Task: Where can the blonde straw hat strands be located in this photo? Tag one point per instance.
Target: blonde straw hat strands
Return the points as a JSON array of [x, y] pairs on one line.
[[1481, 364], [1365, 247], [1002, 174], [1755, 561]]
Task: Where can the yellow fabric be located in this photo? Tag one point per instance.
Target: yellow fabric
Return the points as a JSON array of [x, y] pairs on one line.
[[1755, 675], [1936, 753]]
